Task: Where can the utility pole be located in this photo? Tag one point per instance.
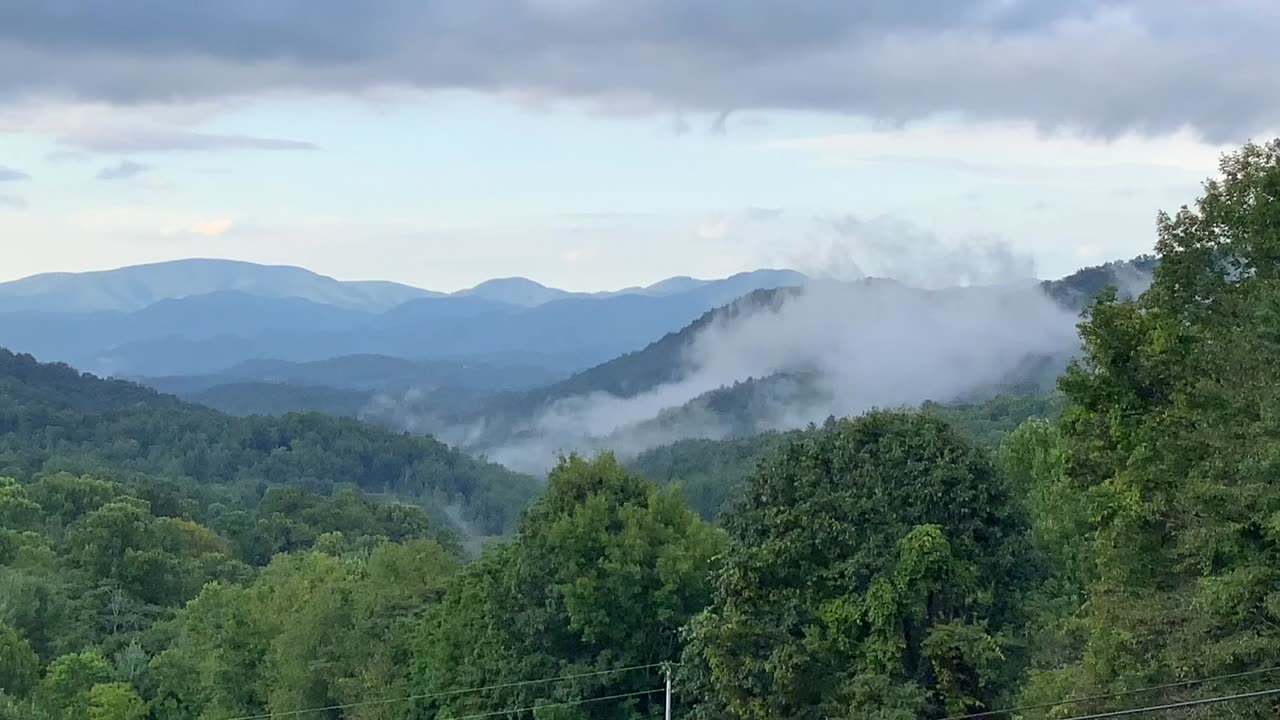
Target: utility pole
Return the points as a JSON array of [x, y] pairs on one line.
[[668, 671]]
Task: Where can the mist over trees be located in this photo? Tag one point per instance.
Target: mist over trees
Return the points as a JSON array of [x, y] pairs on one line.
[[1111, 546]]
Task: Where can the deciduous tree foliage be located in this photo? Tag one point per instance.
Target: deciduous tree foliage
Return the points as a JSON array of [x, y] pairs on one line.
[[19, 665], [313, 630], [605, 570], [875, 569], [95, 620], [53, 418], [1172, 439], [115, 701]]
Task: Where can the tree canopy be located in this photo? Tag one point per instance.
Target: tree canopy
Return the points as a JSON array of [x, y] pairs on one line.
[[1171, 440], [604, 572], [876, 565]]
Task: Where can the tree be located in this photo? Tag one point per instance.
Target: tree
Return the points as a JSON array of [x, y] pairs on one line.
[[115, 701], [225, 648], [875, 569], [1034, 459], [19, 664], [1173, 440], [17, 510], [602, 574], [312, 629], [66, 689]]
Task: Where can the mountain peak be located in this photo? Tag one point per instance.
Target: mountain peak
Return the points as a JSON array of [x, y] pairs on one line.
[[514, 290], [138, 286], [507, 282]]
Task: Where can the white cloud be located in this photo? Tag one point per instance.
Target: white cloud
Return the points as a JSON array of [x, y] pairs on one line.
[[211, 228], [865, 344], [713, 230]]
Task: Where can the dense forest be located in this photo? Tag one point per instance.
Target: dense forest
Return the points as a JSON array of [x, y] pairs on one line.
[[55, 419], [1114, 546], [712, 475]]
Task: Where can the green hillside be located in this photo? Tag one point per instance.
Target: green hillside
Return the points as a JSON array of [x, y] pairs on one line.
[[54, 418]]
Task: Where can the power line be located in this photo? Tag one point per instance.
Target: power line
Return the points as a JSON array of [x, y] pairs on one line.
[[1108, 696], [566, 703], [1179, 705], [452, 693]]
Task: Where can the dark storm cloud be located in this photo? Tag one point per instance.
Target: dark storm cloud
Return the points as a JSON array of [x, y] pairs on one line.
[[123, 170], [1097, 65]]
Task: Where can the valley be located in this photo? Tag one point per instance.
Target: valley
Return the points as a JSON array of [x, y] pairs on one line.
[[519, 383]]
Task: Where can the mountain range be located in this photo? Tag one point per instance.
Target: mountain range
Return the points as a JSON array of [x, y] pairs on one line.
[[149, 321], [135, 287], [518, 372]]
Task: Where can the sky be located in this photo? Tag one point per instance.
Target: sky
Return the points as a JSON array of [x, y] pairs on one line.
[[598, 144]]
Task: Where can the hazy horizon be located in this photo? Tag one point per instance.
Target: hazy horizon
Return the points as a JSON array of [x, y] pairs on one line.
[[1001, 275]]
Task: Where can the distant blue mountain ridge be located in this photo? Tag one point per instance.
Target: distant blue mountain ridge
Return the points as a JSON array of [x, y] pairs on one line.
[[139, 286], [199, 317]]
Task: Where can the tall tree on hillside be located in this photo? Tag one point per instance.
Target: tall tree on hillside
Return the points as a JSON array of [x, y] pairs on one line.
[[19, 665], [874, 570], [1173, 436], [605, 570]]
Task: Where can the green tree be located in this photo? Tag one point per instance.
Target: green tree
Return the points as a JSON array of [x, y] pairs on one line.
[[312, 629], [604, 571], [223, 644], [19, 664], [1033, 459], [115, 701], [174, 687], [875, 569], [1173, 437], [68, 683], [17, 510], [397, 587], [66, 497]]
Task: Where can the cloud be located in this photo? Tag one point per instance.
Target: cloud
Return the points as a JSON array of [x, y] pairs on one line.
[[12, 202], [211, 228], [735, 223], [858, 345], [122, 170], [720, 125], [1103, 67], [850, 247], [1004, 151], [166, 139], [83, 128], [58, 157], [714, 229], [8, 174]]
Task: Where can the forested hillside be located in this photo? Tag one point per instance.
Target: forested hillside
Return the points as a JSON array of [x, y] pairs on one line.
[[712, 474], [784, 358], [1118, 549], [666, 360], [53, 418]]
